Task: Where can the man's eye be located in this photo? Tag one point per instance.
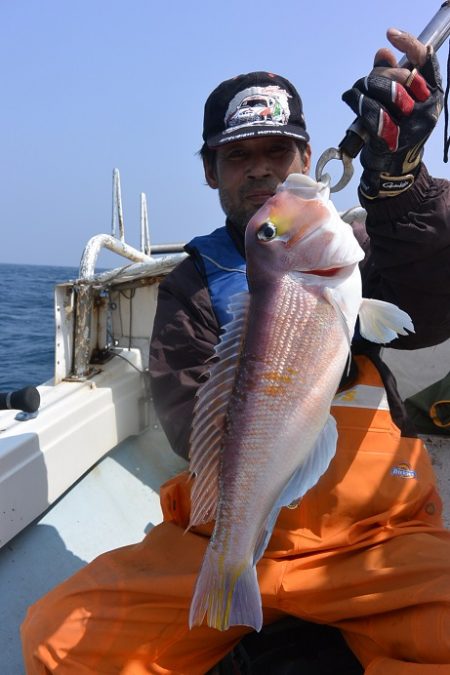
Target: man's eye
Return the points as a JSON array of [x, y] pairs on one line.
[[235, 155], [267, 231], [279, 150]]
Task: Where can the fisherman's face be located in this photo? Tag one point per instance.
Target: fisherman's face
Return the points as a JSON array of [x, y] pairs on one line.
[[247, 173]]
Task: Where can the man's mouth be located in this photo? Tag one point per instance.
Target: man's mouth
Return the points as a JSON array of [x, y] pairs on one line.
[[259, 197]]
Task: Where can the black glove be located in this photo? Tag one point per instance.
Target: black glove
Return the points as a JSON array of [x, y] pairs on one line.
[[399, 120]]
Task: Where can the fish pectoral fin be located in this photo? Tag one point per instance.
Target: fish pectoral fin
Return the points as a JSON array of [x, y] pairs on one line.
[[333, 297], [302, 480], [381, 321], [228, 597]]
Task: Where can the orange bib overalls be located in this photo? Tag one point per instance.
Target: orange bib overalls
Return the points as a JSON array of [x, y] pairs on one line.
[[365, 550]]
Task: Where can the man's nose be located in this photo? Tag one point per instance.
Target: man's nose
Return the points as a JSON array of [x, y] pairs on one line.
[[259, 166]]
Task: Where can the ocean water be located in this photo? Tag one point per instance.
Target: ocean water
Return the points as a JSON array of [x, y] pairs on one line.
[[27, 323]]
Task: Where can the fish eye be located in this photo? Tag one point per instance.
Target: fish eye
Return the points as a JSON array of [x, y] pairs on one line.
[[267, 231]]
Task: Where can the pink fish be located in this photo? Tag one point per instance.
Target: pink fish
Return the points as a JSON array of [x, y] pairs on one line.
[[262, 433]]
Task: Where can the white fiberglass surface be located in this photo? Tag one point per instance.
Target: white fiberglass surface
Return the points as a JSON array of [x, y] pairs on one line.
[[115, 504]]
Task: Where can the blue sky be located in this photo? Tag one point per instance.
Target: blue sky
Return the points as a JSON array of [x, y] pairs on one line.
[[89, 85]]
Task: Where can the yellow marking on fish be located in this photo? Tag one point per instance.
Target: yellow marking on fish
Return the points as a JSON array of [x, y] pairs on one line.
[[234, 578], [276, 377], [277, 381], [221, 598], [274, 390], [215, 599], [282, 222]]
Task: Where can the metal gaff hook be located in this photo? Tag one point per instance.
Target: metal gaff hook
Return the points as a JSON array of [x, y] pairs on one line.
[[327, 156]]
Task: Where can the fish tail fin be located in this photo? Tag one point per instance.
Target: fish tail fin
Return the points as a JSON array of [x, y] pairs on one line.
[[382, 322], [228, 597]]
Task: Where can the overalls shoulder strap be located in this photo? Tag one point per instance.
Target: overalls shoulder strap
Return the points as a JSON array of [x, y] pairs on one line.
[[222, 267]]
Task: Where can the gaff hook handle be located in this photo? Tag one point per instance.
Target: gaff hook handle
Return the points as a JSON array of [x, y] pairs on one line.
[[434, 34]]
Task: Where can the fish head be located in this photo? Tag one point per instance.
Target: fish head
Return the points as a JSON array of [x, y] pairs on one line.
[[298, 230]]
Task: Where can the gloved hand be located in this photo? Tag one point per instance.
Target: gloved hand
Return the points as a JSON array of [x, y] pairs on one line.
[[399, 109]]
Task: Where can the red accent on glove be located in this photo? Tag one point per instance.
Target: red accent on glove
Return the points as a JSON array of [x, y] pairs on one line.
[[388, 131], [419, 88], [403, 100]]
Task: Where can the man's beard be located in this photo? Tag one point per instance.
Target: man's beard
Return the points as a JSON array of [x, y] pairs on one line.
[[239, 214]]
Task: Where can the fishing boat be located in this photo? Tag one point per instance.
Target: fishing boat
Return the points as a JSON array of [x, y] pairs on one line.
[[81, 474]]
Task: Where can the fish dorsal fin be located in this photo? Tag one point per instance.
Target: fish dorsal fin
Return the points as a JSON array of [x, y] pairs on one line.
[[382, 322], [302, 480], [210, 412]]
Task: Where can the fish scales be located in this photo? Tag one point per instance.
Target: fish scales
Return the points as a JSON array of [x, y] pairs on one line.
[[262, 433], [268, 389]]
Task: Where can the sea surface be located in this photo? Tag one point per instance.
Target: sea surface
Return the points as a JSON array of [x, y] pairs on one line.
[[27, 323]]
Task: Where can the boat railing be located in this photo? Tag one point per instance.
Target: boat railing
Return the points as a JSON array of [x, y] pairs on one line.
[[149, 261], [117, 244]]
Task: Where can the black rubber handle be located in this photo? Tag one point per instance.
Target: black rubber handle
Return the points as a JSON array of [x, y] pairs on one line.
[[27, 399], [353, 142]]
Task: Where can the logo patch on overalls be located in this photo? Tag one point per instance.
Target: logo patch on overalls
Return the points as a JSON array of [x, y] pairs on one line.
[[403, 470]]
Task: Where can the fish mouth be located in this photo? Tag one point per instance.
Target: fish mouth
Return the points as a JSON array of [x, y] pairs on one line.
[[330, 272], [339, 272]]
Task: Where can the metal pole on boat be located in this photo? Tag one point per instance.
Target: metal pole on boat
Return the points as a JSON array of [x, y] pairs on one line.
[[145, 233], [117, 211]]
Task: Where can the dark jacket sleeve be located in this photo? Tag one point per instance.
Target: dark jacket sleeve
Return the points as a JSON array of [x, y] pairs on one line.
[[408, 262], [185, 332]]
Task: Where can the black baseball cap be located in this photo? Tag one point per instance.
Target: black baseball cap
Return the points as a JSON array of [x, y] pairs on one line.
[[252, 105]]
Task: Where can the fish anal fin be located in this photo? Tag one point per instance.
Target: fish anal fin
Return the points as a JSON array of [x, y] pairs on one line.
[[302, 480]]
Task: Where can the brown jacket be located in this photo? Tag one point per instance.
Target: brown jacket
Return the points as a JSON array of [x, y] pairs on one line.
[[407, 244]]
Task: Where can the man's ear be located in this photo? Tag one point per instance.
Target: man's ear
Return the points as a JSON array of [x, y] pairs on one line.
[[210, 174], [307, 159]]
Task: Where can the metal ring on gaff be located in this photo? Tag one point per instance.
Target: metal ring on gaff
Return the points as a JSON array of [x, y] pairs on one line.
[[327, 156]]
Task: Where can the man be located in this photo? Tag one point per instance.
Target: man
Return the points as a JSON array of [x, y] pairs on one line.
[[365, 551]]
